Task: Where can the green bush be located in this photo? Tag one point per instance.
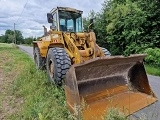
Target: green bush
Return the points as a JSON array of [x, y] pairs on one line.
[[127, 27], [153, 56]]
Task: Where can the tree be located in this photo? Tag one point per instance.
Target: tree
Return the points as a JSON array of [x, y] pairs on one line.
[[124, 27], [2, 39], [128, 26], [8, 37], [19, 37], [29, 40]]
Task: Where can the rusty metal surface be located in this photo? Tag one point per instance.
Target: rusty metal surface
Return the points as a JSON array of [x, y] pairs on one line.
[[99, 81], [127, 102]]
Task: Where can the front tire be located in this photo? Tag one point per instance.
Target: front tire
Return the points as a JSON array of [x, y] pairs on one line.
[[39, 61], [57, 63]]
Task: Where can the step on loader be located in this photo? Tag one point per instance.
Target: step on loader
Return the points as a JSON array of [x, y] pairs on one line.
[[94, 80]]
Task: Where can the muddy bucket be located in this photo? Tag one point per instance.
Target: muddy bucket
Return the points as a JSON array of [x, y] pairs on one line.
[[91, 88]]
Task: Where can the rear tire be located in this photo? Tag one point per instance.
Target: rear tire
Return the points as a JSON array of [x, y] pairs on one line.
[[39, 61], [106, 52], [57, 63]]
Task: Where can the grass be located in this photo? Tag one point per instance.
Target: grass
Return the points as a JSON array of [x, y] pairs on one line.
[[152, 70], [38, 98], [114, 114], [33, 96]]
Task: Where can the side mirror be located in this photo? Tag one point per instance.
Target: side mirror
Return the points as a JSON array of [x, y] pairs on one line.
[[91, 23], [50, 18]]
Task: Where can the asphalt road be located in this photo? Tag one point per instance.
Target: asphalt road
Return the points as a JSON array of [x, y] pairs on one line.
[[151, 112], [27, 49]]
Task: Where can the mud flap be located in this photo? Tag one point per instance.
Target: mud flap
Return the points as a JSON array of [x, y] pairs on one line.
[[115, 81]]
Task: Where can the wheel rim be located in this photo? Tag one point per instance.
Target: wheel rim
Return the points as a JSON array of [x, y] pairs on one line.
[[51, 68]]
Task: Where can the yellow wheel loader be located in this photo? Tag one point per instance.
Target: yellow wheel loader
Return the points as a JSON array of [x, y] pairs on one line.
[[94, 81]]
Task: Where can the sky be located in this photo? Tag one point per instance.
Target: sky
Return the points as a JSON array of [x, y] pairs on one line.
[[33, 17]]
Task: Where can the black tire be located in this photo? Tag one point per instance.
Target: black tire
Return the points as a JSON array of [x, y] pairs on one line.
[[106, 52], [39, 61], [57, 63]]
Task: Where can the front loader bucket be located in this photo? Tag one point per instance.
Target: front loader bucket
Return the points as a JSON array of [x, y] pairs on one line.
[[116, 81]]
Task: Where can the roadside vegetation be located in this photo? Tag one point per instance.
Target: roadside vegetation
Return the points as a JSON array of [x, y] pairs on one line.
[[127, 26], [114, 114], [152, 70], [8, 37], [31, 96], [152, 61]]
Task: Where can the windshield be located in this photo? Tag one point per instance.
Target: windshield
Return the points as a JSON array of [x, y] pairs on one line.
[[70, 21]]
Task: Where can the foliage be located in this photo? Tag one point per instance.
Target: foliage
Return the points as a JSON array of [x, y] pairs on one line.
[[19, 37], [8, 37], [29, 40], [2, 39], [153, 56], [128, 26]]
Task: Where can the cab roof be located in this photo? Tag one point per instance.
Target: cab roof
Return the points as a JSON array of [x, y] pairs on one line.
[[66, 9]]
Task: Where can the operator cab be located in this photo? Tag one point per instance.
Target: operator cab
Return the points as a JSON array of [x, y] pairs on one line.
[[65, 19]]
